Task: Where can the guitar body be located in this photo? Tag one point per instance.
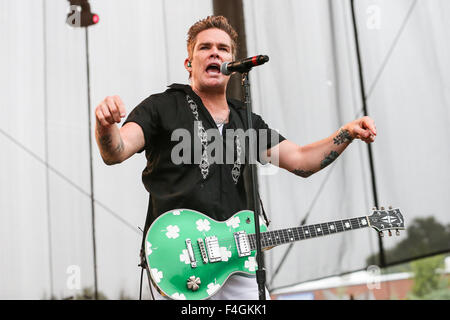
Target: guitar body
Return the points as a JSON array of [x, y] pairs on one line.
[[181, 267]]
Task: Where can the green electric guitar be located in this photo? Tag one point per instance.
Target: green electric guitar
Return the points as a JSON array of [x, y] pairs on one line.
[[190, 256]]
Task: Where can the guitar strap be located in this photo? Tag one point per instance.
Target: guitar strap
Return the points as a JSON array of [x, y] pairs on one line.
[[143, 263]]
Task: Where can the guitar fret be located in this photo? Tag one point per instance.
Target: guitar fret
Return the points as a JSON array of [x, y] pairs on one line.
[[347, 224], [325, 228], [355, 223], [278, 237], [266, 240], [332, 227], [363, 222], [292, 235], [289, 235], [282, 236], [306, 232], [272, 238], [286, 235], [300, 233], [339, 226], [296, 234], [311, 230], [319, 229], [262, 240]]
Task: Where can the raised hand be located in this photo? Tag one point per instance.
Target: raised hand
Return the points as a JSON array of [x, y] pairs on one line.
[[109, 111]]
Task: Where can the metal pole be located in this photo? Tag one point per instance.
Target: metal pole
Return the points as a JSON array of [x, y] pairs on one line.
[[90, 166], [261, 272], [369, 146]]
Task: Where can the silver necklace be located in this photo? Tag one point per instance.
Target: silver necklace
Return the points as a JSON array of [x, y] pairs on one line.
[[203, 136], [220, 121]]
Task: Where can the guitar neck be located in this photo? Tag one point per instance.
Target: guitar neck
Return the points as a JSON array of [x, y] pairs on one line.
[[282, 236]]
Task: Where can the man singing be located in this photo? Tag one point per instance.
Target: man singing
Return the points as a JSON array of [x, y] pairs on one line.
[[215, 188]]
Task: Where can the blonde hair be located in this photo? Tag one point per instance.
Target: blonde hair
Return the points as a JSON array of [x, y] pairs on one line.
[[219, 22]]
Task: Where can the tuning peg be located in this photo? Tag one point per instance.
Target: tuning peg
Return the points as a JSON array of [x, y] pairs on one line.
[[381, 234], [381, 208], [390, 207], [397, 232], [374, 208], [390, 233]]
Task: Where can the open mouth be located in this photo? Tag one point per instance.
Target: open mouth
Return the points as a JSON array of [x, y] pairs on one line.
[[213, 68]]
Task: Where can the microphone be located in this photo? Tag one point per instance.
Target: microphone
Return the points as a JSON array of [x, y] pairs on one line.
[[243, 65]]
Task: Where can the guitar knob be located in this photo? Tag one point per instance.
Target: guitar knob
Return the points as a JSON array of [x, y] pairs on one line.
[[193, 283]]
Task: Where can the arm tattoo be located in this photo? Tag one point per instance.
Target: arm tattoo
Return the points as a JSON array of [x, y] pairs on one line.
[[302, 173], [342, 137], [120, 146], [106, 142], [329, 159]]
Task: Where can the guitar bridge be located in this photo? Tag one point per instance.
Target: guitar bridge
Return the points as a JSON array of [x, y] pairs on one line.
[[201, 245]]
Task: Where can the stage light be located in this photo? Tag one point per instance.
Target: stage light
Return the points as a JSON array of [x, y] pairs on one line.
[[80, 14]]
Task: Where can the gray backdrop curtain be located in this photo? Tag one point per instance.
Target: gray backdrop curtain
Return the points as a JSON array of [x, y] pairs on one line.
[[307, 91]]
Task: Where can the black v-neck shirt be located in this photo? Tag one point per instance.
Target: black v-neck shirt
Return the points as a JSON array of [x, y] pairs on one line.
[[174, 186]]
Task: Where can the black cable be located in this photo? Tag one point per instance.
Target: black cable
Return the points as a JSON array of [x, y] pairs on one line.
[[364, 110], [303, 221], [66, 179], [369, 146], [140, 285]]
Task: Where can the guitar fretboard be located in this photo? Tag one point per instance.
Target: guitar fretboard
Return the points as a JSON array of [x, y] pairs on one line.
[[283, 236]]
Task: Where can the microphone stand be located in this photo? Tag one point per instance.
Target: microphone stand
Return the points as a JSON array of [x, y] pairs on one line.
[[260, 272]]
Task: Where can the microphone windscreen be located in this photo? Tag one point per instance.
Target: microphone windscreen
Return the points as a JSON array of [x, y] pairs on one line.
[[224, 70]]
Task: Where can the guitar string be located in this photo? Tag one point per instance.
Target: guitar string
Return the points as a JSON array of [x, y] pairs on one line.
[[284, 236]]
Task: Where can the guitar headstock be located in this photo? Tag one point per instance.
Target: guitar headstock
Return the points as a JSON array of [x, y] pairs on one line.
[[390, 219]]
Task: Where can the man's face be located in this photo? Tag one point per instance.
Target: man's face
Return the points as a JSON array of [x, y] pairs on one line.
[[212, 48]]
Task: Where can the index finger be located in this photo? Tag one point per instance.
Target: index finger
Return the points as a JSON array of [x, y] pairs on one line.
[[370, 124], [121, 106]]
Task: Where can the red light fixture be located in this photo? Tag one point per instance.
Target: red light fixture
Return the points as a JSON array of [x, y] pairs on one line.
[[80, 14]]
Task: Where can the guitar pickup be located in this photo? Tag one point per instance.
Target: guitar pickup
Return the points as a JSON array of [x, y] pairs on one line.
[[212, 246], [191, 253], [242, 244]]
